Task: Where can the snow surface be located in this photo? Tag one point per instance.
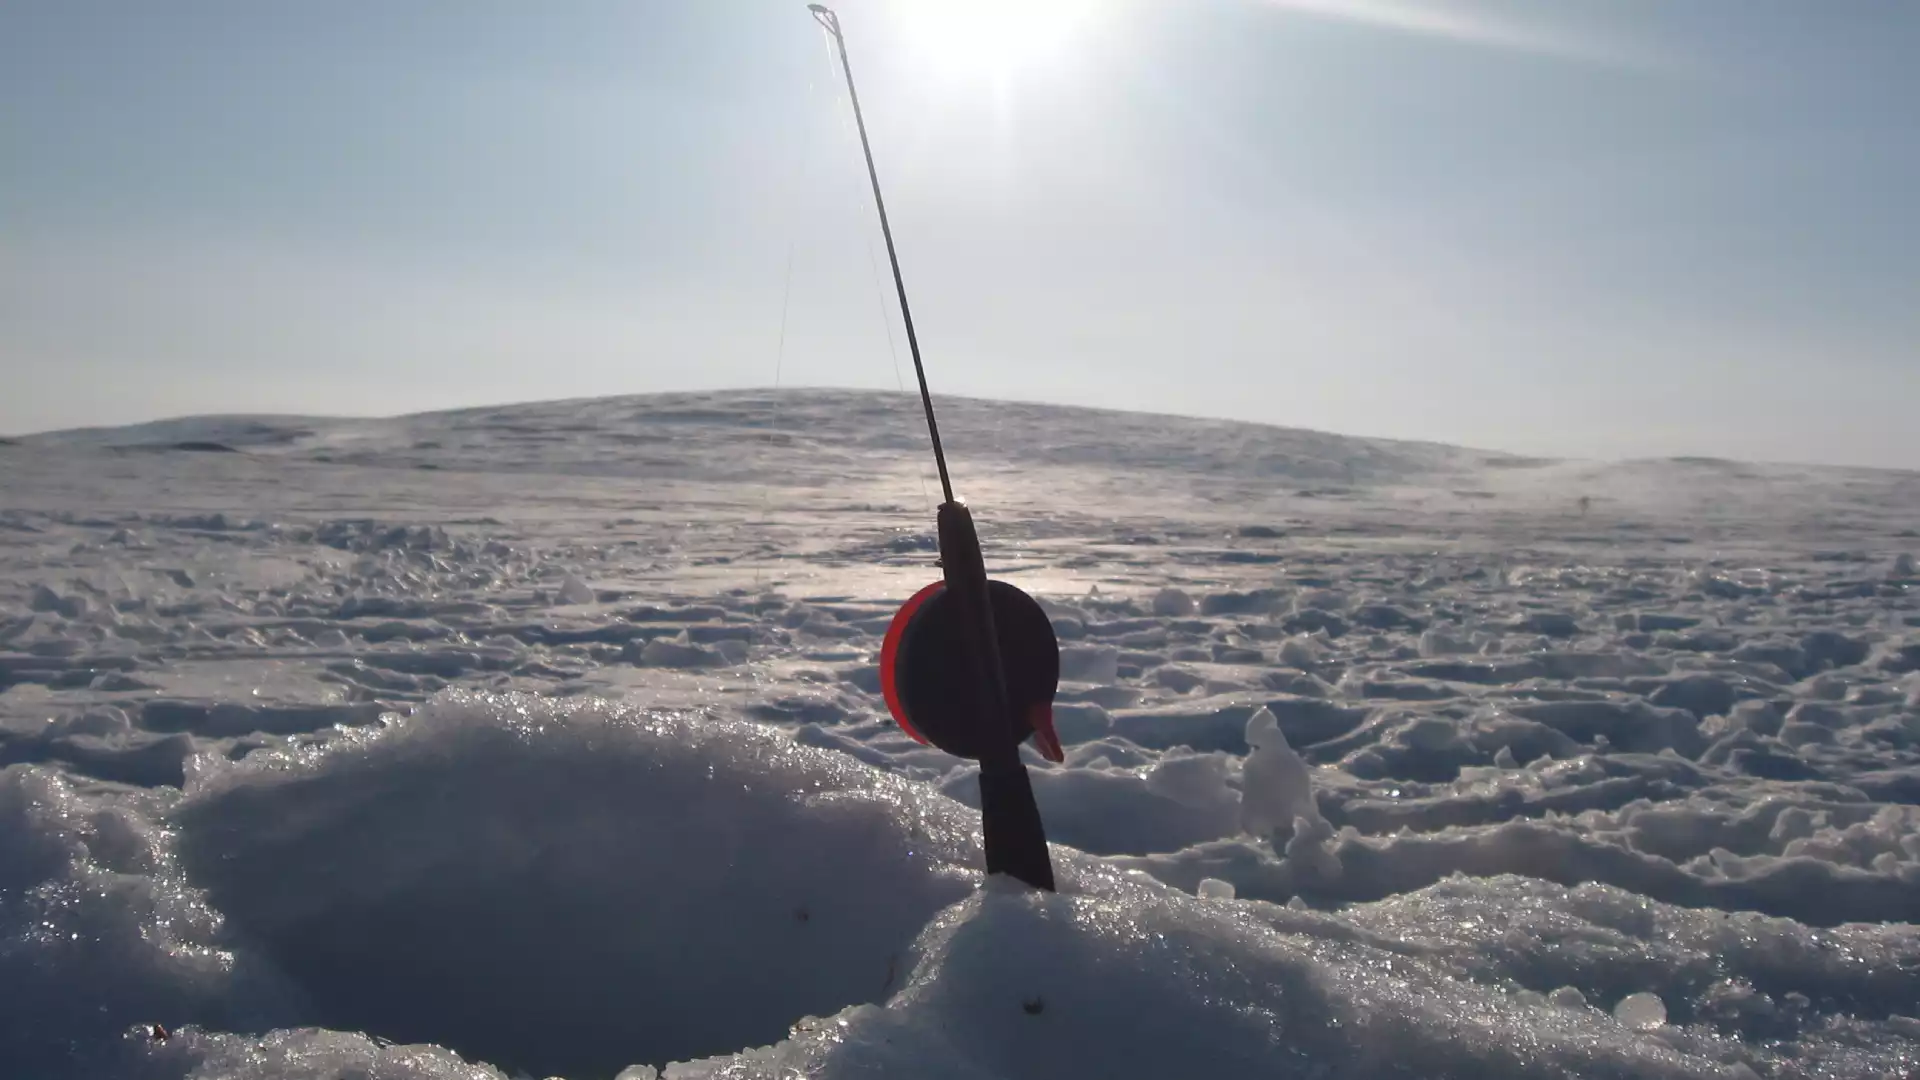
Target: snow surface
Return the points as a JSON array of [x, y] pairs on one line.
[[546, 740]]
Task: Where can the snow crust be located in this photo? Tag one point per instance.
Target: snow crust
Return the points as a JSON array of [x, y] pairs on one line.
[[547, 740]]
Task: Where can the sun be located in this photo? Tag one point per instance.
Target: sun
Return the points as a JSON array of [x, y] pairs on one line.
[[989, 39]]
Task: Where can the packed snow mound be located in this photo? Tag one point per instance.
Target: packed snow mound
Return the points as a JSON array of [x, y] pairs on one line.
[[566, 887], [99, 929], [1118, 976], [651, 886]]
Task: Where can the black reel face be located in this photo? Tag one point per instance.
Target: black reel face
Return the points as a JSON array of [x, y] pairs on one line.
[[936, 696]]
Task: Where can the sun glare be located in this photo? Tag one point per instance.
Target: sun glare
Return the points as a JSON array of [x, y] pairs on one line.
[[990, 39]]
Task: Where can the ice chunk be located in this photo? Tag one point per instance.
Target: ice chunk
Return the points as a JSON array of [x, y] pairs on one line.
[[1759, 717], [1089, 663], [1277, 786], [1322, 599], [1172, 602], [1436, 642], [1215, 889], [679, 652], [1555, 624], [1196, 780], [1310, 852], [46, 599], [1299, 651], [1641, 1011], [1568, 997], [575, 591]]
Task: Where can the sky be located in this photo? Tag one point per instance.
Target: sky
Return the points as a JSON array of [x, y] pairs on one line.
[[1605, 229]]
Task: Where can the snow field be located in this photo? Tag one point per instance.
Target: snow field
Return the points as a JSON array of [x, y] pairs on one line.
[[547, 740]]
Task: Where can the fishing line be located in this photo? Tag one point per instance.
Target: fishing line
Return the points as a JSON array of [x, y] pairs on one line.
[[779, 362], [797, 188], [786, 301], [873, 266], [899, 377]]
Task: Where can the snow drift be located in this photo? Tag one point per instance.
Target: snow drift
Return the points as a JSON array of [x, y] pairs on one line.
[[579, 887]]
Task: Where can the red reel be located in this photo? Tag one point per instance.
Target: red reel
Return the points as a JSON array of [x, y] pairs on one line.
[[890, 658], [934, 696]]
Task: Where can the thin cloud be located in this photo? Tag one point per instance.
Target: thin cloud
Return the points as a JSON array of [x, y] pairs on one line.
[[1453, 23]]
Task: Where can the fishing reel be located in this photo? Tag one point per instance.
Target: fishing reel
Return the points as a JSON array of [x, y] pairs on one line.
[[934, 695], [971, 666]]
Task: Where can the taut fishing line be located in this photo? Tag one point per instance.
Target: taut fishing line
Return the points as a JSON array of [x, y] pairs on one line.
[[797, 190], [873, 267], [899, 378]]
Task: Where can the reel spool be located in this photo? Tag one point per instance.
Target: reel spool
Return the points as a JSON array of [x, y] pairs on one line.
[[938, 701]]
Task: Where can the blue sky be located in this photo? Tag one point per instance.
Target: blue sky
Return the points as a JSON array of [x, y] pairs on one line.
[[1601, 229]]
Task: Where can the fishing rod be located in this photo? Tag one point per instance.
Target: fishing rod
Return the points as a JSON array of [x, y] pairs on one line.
[[969, 665]]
